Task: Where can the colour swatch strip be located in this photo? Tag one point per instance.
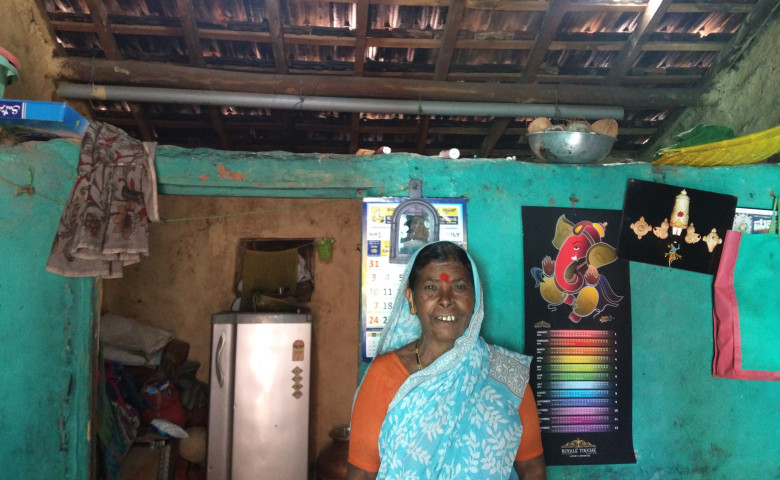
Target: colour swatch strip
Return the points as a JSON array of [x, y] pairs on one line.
[[575, 367], [580, 428], [545, 404], [576, 387], [576, 350], [576, 342], [575, 334]]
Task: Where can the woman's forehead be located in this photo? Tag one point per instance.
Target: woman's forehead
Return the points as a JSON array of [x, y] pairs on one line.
[[446, 271]]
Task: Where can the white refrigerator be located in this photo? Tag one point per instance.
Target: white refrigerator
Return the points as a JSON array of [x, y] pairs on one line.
[[259, 400]]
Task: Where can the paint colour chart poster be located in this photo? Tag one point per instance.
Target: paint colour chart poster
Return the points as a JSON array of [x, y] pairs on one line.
[[578, 330], [381, 279]]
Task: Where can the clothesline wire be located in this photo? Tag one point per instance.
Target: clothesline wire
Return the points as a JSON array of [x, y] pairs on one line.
[[28, 189]]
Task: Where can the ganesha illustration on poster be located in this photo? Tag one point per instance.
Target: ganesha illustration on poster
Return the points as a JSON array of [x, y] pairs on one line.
[[572, 279]]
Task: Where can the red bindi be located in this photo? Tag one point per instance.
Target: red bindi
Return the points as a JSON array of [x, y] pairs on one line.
[[444, 277]]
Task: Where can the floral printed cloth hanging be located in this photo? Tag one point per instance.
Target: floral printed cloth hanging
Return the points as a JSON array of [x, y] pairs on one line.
[[105, 224]]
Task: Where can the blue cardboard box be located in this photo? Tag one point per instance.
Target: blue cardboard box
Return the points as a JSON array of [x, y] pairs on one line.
[[41, 119]]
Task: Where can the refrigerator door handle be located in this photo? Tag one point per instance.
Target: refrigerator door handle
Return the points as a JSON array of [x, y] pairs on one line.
[[218, 360]]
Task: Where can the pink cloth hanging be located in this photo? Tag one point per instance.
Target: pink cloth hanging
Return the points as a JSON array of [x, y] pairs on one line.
[[105, 224]]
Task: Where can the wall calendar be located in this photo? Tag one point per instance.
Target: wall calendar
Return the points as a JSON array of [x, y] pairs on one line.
[[578, 331], [381, 279]]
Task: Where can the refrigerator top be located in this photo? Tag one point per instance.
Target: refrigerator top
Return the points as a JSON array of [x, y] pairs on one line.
[[260, 317]]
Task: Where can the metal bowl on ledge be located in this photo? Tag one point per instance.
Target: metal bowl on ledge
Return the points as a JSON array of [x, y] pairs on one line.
[[570, 147]]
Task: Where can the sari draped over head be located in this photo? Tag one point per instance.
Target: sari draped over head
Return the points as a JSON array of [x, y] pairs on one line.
[[458, 417]]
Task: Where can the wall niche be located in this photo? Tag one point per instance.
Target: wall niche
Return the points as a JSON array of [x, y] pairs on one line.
[[274, 275]]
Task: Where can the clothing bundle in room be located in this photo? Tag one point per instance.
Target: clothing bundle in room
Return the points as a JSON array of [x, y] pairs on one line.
[[105, 223]]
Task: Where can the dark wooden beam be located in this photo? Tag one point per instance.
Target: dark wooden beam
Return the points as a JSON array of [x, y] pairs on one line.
[[473, 44], [141, 122], [274, 12], [604, 6], [235, 35], [361, 32], [195, 54], [459, 130], [683, 46], [455, 12], [496, 131], [288, 129], [100, 18], [362, 41], [162, 75], [215, 114], [191, 37], [354, 132], [550, 22], [633, 47], [305, 126], [422, 139], [637, 77], [41, 7]]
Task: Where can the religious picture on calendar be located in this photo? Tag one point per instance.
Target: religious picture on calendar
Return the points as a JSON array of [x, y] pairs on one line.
[[578, 331]]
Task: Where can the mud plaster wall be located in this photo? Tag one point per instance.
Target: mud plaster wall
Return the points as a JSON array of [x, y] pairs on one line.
[[22, 36], [190, 275], [743, 97]]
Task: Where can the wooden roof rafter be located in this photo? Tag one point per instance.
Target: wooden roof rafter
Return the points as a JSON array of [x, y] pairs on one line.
[[111, 49], [361, 32], [195, 53], [545, 36], [633, 47], [129, 72], [579, 47], [274, 15], [59, 51], [360, 42]]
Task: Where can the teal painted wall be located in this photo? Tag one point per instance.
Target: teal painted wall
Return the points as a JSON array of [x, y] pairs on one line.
[[686, 423], [44, 326]]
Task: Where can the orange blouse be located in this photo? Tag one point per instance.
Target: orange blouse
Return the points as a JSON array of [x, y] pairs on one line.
[[380, 385]]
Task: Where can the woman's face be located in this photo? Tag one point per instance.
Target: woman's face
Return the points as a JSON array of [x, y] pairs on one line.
[[444, 300]]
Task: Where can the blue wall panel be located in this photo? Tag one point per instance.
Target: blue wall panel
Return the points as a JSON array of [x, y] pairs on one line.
[[687, 424], [44, 325]]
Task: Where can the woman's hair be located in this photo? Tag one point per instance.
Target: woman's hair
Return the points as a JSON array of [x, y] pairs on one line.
[[439, 252]]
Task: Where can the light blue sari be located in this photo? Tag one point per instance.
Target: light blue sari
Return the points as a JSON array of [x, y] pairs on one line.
[[456, 418]]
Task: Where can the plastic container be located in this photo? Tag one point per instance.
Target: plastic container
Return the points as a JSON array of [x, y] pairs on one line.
[[324, 248], [450, 153]]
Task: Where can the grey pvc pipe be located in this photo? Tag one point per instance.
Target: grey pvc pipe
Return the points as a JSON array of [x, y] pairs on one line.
[[339, 104]]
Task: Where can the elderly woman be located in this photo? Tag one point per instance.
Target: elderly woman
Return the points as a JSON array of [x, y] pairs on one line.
[[438, 402]]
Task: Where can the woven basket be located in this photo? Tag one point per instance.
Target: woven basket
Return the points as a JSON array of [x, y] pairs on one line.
[[745, 150]]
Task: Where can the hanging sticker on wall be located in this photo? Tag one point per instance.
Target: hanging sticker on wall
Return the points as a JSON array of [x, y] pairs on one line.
[[297, 385], [674, 226], [297, 351]]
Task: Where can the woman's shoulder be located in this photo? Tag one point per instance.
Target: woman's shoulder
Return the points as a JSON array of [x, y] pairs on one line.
[[500, 353], [387, 364], [384, 359], [386, 372], [509, 368]]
